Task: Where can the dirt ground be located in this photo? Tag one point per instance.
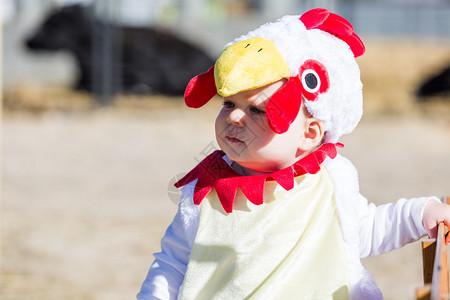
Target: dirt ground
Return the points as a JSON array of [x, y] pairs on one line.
[[87, 192]]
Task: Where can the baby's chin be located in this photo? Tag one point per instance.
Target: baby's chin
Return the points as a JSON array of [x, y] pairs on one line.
[[253, 164], [258, 168]]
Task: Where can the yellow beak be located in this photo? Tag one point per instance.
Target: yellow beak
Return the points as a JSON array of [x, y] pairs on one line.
[[248, 65]]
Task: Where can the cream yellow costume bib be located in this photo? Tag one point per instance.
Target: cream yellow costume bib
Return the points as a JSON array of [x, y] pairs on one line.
[[290, 247]]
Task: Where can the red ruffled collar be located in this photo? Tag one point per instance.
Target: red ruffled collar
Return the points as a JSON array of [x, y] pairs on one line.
[[214, 172]]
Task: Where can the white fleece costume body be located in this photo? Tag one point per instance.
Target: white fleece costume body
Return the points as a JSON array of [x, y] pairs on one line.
[[367, 230]]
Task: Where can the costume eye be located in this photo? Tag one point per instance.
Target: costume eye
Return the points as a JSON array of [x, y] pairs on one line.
[[310, 81], [314, 79]]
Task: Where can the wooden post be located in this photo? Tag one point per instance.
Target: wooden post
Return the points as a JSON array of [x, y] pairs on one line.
[[424, 292], [1, 121], [428, 254], [439, 285], [435, 266]]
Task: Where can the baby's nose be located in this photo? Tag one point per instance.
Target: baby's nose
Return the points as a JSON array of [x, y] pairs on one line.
[[236, 117]]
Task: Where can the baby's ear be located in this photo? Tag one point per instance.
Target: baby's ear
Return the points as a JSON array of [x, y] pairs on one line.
[[200, 89], [314, 133]]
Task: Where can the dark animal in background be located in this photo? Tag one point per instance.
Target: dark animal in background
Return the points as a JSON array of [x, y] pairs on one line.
[[145, 57], [436, 85]]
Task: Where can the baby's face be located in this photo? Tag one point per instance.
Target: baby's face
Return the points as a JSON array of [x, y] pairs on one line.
[[243, 132]]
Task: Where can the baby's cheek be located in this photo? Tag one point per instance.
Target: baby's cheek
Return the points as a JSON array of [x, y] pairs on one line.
[[219, 125], [262, 134]]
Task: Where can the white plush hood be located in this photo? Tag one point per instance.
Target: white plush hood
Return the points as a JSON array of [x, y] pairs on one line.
[[341, 107]]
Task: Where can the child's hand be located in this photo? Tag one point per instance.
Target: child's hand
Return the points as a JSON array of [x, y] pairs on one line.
[[433, 214]]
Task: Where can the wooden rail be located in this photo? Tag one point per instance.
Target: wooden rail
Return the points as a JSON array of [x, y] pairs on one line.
[[435, 266]]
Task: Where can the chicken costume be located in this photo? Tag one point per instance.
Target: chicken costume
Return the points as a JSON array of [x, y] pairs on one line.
[[300, 232]]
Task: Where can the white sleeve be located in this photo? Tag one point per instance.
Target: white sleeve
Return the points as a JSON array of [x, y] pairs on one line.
[[166, 274], [390, 226]]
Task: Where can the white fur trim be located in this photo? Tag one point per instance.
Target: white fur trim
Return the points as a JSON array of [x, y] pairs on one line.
[[345, 179], [189, 212]]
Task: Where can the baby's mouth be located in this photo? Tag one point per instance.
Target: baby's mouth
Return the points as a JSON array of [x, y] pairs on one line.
[[233, 139]]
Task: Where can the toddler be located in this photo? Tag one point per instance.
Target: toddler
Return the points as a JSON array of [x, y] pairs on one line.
[[277, 213]]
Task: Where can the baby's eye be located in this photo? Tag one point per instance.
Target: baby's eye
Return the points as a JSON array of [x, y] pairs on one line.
[[228, 104], [256, 110]]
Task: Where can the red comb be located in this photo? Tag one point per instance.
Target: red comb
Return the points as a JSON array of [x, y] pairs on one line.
[[321, 18]]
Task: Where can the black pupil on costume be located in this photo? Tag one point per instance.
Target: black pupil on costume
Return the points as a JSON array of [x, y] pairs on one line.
[[311, 81]]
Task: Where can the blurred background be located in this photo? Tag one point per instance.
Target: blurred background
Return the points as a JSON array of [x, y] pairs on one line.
[[95, 130]]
